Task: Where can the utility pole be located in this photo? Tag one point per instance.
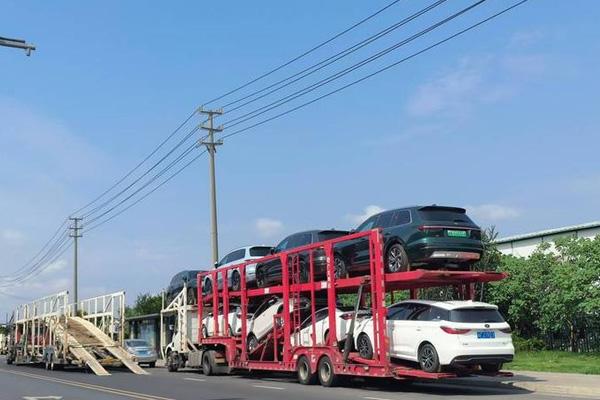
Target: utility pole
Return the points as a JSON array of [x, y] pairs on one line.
[[75, 234], [18, 44], [211, 147]]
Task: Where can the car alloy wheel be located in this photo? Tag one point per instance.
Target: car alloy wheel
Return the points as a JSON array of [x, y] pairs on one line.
[[428, 358], [340, 267], [396, 260], [364, 347], [236, 281], [252, 343], [260, 278]]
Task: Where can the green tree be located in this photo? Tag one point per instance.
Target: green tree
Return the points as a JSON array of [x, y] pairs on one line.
[[145, 303]]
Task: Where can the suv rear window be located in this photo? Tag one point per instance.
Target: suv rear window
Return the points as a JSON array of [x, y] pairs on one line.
[[475, 315], [328, 235], [259, 251], [444, 214]]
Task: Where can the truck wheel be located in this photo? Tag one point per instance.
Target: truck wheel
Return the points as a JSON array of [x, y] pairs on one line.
[[305, 375], [396, 259], [172, 362], [491, 368], [9, 360], [327, 377], [208, 363], [428, 358]]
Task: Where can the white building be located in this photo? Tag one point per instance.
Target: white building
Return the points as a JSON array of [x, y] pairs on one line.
[[524, 245]]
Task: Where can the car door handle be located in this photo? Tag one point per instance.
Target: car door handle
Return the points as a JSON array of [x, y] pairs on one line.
[[418, 329]]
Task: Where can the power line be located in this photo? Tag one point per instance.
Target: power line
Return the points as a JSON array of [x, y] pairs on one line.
[[378, 71], [147, 194], [329, 60], [156, 164], [362, 21], [24, 266], [128, 174], [278, 103]]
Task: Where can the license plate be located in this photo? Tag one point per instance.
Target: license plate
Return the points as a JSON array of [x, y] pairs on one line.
[[486, 335], [452, 233]]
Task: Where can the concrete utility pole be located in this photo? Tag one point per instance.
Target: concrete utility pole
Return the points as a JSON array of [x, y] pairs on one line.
[[75, 234], [18, 44], [211, 147]]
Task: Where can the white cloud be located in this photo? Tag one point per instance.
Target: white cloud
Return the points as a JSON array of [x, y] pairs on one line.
[[55, 266], [12, 236], [367, 212], [268, 227], [526, 38], [492, 212]]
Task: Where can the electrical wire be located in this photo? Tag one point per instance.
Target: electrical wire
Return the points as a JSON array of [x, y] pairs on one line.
[[329, 60], [128, 174], [426, 49], [146, 194], [318, 46], [278, 103]]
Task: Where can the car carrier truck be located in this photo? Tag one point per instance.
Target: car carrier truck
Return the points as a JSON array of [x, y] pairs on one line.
[[282, 350]]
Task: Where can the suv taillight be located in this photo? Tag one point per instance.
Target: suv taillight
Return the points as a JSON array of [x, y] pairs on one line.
[[453, 331], [347, 316], [506, 330]]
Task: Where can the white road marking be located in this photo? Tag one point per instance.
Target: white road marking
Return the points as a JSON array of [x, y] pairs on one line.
[[269, 387], [375, 398], [195, 379], [42, 398]]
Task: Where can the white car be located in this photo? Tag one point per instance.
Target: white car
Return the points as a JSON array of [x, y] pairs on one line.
[[234, 320], [237, 256], [262, 320], [442, 333], [343, 319]]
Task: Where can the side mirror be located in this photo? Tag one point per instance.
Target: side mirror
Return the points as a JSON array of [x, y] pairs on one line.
[[273, 250], [217, 264]]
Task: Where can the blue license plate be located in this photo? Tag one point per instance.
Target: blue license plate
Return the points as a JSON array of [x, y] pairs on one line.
[[486, 335]]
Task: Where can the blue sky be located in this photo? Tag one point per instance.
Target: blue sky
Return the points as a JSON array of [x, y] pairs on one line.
[[503, 121]]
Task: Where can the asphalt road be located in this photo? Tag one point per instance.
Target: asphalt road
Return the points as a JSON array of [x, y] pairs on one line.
[[25, 382]]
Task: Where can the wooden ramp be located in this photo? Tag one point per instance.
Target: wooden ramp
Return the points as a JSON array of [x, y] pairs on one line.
[[89, 345]]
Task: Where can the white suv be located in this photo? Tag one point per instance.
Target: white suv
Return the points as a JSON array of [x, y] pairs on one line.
[[234, 320], [237, 256], [443, 333]]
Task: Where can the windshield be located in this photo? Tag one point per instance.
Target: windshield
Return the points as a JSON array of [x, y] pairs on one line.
[[259, 251], [137, 343], [475, 315]]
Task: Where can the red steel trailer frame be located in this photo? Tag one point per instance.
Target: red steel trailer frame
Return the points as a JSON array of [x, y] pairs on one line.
[[233, 349]]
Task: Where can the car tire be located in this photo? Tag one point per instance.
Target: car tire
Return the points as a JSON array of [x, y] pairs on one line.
[[208, 363], [304, 272], [260, 278], [251, 343], [364, 346], [429, 360], [327, 376], [236, 281], [396, 259], [152, 365], [491, 368], [208, 286], [204, 331], [339, 266], [172, 362], [305, 375]]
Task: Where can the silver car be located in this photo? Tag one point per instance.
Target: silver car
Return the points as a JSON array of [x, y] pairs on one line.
[[141, 351], [233, 276]]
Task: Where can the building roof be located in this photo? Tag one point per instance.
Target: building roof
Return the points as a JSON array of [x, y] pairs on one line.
[[548, 232]]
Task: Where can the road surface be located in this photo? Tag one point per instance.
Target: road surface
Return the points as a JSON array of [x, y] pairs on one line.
[[26, 383]]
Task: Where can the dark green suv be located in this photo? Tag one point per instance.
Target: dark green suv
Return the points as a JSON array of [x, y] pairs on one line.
[[415, 237]]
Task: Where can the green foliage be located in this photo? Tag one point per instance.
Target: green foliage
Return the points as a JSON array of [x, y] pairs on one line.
[[531, 344], [552, 291], [145, 304], [556, 361], [3, 329]]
